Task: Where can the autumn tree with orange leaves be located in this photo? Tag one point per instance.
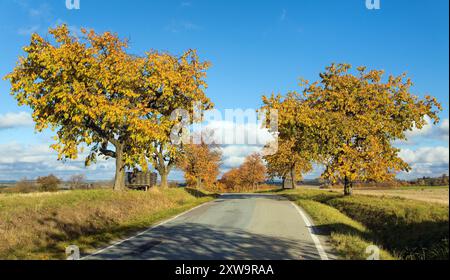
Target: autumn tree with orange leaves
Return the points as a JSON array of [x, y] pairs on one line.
[[253, 171], [232, 179], [248, 176], [352, 120], [288, 163], [95, 94], [200, 163]]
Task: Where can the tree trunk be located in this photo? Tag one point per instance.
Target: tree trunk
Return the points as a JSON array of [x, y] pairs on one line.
[[199, 183], [119, 181], [348, 187], [164, 175], [293, 178]]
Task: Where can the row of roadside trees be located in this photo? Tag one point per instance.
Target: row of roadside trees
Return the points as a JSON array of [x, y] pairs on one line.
[[95, 94], [246, 177]]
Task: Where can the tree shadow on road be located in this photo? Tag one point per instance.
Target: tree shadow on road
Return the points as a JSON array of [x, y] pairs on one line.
[[193, 241]]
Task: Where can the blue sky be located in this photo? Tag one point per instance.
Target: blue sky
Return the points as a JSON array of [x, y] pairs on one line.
[[255, 47]]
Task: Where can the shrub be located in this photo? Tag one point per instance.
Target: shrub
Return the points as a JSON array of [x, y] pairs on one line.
[[78, 182], [25, 186], [173, 185], [48, 183]]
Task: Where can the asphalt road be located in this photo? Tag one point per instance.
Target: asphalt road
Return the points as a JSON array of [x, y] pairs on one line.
[[233, 227]]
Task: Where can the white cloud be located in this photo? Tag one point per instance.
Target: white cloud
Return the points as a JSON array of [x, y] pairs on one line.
[[12, 120], [426, 129], [231, 133], [19, 160], [234, 155], [426, 161], [443, 130], [237, 140], [429, 130], [425, 155]]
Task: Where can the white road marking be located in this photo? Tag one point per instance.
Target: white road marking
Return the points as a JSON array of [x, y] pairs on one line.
[[314, 237], [147, 230]]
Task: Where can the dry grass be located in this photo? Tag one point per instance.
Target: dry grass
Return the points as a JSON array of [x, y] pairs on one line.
[[41, 226], [438, 195]]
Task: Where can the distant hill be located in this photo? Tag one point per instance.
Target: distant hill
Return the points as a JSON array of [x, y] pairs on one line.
[[7, 182]]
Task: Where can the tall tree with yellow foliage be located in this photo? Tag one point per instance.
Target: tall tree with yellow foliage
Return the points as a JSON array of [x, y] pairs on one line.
[[349, 121], [180, 83], [95, 94], [297, 150], [288, 162], [360, 116]]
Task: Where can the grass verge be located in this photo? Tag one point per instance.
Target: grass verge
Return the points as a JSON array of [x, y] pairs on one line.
[[349, 237], [41, 226], [406, 229]]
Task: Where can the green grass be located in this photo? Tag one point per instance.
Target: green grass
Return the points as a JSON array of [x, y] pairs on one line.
[[349, 237], [408, 229], [411, 229], [41, 226]]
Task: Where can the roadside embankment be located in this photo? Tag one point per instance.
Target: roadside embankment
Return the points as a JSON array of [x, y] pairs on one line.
[[42, 225], [402, 228]]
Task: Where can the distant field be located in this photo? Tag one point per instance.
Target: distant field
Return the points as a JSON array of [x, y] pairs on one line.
[[11, 188], [427, 194], [42, 225]]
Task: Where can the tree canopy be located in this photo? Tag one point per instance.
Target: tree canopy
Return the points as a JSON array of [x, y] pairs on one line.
[[288, 162], [200, 163], [349, 122], [297, 150], [96, 94], [247, 176]]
